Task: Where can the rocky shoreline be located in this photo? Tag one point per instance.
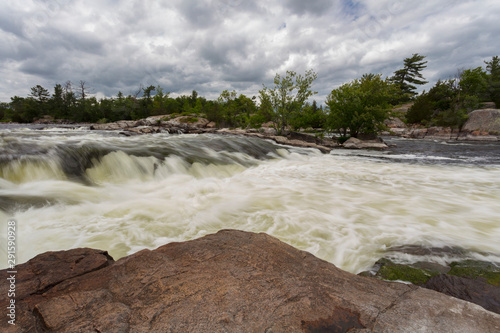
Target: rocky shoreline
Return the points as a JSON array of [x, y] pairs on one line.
[[482, 125], [231, 281]]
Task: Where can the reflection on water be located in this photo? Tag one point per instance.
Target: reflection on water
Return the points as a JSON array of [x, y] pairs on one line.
[[76, 188]]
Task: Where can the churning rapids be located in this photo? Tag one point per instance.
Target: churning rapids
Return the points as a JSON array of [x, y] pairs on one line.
[[70, 188]]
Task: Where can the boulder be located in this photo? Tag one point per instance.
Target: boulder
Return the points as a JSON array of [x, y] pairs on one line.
[[487, 120], [394, 122], [191, 121], [231, 281], [354, 143]]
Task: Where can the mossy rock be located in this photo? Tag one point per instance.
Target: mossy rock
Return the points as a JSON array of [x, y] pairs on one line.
[[477, 268], [392, 272]]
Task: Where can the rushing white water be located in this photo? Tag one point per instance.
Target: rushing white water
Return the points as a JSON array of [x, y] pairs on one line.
[[70, 189]]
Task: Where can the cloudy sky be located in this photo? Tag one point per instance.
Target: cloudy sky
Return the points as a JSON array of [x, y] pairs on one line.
[[213, 45]]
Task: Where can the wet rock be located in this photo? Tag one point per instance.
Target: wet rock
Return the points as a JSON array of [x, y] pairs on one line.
[[471, 280], [145, 129], [418, 274], [232, 281], [325, 147], [472, 290], [490, 272], [354, 143]]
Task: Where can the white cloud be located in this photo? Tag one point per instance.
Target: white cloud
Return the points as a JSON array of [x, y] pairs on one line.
[[214, 45]]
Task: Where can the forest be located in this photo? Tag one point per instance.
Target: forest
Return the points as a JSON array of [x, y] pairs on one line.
[[359, 106]]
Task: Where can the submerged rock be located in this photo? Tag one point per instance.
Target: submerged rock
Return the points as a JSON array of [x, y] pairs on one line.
[[232, 281]]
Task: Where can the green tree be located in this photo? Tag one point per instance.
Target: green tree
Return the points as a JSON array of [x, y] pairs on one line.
[[449, 102], [287, 97], [493, 69], [19, 110], [433, 104], [409, 76], [37, 102], [360, 106], [4, 110], [160, 102], [473, 82], [57, 107], [311, 116]]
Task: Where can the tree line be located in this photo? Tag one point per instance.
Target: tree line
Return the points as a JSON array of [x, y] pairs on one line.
[[356, 107]]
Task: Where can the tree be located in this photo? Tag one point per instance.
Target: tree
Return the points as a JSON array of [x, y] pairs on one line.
[[360, 106], [40, 94], [160, 102], [82, 112], [409, 76], [449, 102], [4, 110], [311, 116], [57, 102], [288, 96], [429, 106], [493, 68]]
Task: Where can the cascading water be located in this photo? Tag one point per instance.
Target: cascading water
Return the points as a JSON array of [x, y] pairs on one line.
[[79, 188]]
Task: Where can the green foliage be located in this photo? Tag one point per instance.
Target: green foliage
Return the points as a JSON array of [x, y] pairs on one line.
[[449, 102], [189, 119], [409, 76], [232, 110], [360, 106], [428, 105], [311, 116], [493, 80], [4, 110], [287, 97]]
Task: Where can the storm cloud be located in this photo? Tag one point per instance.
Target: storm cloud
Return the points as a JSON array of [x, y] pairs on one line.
[[213, 45]]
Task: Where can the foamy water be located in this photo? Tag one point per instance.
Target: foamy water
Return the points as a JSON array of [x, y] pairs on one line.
[[70, 189]]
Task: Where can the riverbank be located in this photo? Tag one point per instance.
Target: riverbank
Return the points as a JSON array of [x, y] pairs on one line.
[[482, 125]]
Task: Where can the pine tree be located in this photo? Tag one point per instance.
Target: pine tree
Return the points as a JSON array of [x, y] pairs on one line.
[[493, 68], [409, 76]]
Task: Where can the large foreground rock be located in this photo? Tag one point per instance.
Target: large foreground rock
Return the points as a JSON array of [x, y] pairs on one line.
[[232, 281]]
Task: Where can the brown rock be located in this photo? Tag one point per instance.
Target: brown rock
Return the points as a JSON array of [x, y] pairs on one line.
[[232, 281], [471, 290]]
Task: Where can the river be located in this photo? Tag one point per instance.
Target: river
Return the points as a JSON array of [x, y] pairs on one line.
[[69, 188]]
